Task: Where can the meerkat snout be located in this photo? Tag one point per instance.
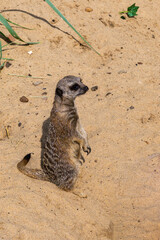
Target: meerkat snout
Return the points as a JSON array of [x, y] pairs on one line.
[[85, 89]]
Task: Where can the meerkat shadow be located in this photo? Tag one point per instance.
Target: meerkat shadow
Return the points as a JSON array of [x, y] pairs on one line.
[[44, 135]]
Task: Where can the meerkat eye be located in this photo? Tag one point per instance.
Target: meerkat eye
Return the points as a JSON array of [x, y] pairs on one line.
[[74, 87]]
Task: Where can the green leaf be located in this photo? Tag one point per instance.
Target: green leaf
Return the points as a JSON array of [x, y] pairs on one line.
[[0, 51], [132, 10], [18, 25], [12, 32], [1, 65], [8, 59], [61, 15], [9, 28], [5, 37]]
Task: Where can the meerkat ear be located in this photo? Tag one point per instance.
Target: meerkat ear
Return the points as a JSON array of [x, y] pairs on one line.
[[59, 92]]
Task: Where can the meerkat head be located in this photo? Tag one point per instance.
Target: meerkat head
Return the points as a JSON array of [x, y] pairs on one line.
[[70, 87]]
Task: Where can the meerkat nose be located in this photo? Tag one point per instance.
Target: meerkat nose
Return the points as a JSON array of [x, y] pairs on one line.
[[86, 88]]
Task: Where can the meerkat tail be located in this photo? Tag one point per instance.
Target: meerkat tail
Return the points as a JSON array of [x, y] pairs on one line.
[[33, 173]]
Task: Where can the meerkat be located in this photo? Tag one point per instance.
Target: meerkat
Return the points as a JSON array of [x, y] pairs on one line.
[[65, 140]]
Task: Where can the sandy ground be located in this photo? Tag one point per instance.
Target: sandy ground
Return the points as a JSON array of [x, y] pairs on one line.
[[121, 177]]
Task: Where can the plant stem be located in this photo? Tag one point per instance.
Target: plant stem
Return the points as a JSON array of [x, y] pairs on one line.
[[123, 12]]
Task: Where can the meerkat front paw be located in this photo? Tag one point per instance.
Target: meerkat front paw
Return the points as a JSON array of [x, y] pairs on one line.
[[87, 149]]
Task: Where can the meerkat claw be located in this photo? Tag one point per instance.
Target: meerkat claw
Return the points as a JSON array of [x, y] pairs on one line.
[[88, 150]]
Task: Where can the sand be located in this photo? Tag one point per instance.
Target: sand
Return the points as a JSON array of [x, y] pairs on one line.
[[121, 176]]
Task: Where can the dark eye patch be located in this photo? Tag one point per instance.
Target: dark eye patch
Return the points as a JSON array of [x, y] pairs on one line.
[[74, 87], [59, 92]]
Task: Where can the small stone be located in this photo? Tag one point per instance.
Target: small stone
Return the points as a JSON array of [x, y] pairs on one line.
[[123, 17], [140, 63], [8, 64], [108, 72], [109, 93], [88, 9], [29, 75], [44, 93], [19, 124], [130, 108], [94, 88], [23, 99], [48, 74], [37, 83]]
